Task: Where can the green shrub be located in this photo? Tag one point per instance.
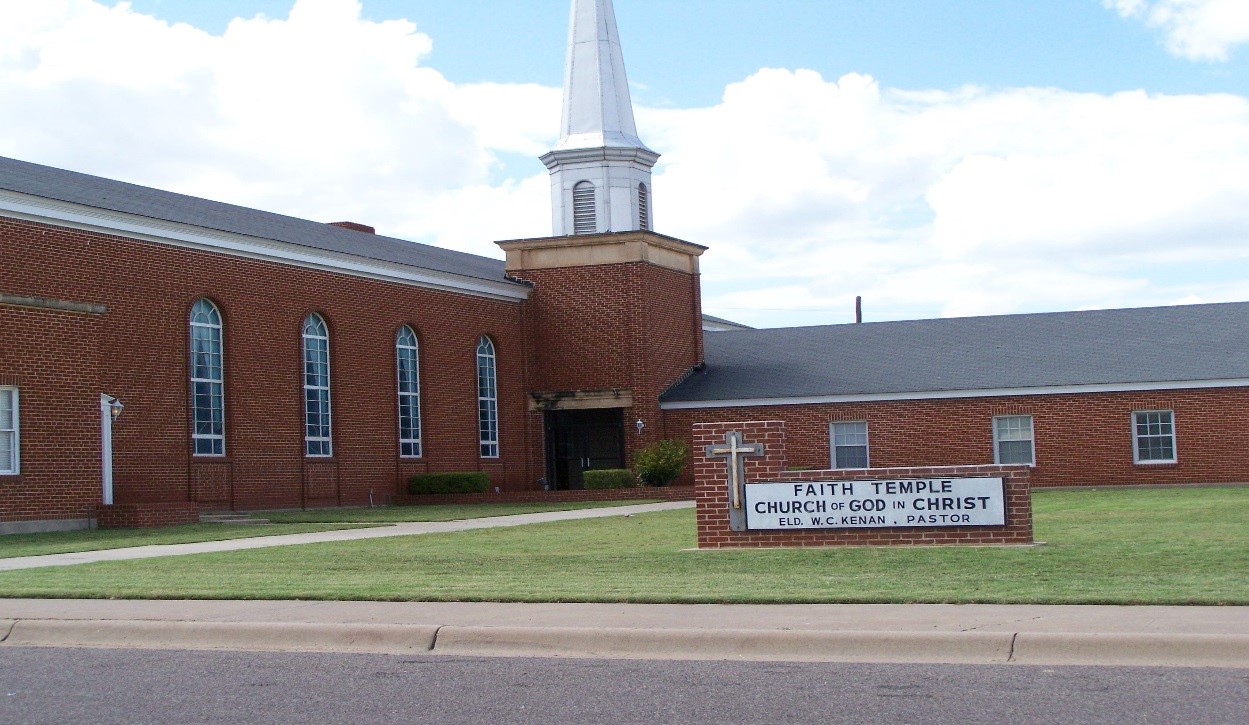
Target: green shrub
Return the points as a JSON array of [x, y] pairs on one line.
[[436, 483], [609, 478], [659, 464]]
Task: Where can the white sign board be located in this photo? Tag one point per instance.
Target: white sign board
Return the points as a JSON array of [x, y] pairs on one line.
[[927, 502]]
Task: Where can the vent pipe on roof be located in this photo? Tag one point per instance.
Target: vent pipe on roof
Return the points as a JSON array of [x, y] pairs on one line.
[[858, 310], [355, 227]]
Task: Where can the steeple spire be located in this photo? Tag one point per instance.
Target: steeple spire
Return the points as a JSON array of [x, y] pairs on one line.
[[600, 169], [598, 110]]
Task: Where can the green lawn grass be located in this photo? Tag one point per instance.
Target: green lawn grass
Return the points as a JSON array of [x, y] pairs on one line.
[[283, 522], [65, 542], [397, 514], [1161, 546]]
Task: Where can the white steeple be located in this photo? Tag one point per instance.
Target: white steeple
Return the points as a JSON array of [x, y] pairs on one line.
[[600, 169]]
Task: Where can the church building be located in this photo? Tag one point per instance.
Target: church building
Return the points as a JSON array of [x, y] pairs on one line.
[[162, 355]]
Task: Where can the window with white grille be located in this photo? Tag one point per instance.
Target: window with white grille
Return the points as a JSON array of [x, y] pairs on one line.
[[1154, 436], [207, 381], [317, 434], [584, 214], [407, 353], [849, 444], [487, 399], [9, 425], [1013, 440]]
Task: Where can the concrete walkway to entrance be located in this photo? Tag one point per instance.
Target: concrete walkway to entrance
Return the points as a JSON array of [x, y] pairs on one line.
[[378, 532]]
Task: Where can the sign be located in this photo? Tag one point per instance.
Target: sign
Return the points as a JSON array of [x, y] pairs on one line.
[[924, 502]]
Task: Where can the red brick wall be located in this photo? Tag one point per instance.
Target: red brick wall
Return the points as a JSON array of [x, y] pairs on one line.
[[1080, 440], [51, 357], [149, 290], [712, 497], [146, 515], [635, 326], [667, 493]]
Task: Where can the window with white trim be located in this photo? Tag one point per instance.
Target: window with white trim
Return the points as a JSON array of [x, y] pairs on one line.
[[9, 432], [1153, 436], [849, 441], [1013, 440], [487, 399], [207, 381], [584, 214], [407, 353], [317, 433]]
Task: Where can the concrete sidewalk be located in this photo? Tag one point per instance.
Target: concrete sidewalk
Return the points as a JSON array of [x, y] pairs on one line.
[[378, 532], [976, 634]]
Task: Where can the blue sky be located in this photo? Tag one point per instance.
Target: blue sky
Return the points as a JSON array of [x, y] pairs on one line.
[[684, 53], [939, 158]]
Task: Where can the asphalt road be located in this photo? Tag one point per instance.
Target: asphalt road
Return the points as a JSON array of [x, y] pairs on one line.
[[146, 686]]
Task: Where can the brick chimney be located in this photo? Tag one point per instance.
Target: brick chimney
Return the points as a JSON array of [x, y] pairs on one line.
[[355, 227]]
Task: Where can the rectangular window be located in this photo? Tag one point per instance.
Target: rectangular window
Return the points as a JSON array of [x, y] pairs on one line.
[[1012, 440], [849, 444], [8, 432], [1154, 436]]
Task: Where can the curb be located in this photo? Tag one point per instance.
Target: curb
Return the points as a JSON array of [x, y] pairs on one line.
[[1160, 650], [728, 644], [924, 647], [244, 636]]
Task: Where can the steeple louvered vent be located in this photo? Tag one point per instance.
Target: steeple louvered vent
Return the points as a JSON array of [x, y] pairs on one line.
[[585, 221]]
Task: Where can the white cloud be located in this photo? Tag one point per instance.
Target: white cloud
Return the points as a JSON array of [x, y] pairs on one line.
[[322, 114], [1194, 29], [808, 191], [952, 202]]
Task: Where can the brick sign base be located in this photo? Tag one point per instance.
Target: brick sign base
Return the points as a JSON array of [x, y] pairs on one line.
[[712, 497]]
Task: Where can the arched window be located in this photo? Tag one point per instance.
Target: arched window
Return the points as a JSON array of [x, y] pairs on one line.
[[644, 208], [317, 439], [407, 353], [207, 381], [487, 399], [584, 215]]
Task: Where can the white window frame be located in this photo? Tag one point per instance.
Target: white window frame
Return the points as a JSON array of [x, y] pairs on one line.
[[1136, 439], [13, 467], [867, 444], [328, 440], [196, 436], [487, 399], [413, 396], [998, 440]]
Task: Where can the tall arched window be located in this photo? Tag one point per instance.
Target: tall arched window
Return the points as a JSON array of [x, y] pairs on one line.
[[584, 215], [207, 381], [407, 353], [317, 437], [644, 208], [487, 399]]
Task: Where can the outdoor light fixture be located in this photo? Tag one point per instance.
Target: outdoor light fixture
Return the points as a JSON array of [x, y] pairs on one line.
[[640, 424], [115, 408]]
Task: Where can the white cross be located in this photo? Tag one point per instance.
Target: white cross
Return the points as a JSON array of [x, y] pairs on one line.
[[732, 452]]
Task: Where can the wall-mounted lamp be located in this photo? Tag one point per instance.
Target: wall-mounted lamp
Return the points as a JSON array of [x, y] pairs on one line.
[[115, 408], [640, 424]]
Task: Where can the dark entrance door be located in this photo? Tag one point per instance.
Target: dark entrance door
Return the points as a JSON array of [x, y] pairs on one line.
[[582, 440]]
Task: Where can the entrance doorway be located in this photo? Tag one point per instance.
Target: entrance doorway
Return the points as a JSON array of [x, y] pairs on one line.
[[582, 440]]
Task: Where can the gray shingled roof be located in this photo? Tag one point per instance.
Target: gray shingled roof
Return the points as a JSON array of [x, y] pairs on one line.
[[1103, 347], [100, 193]]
